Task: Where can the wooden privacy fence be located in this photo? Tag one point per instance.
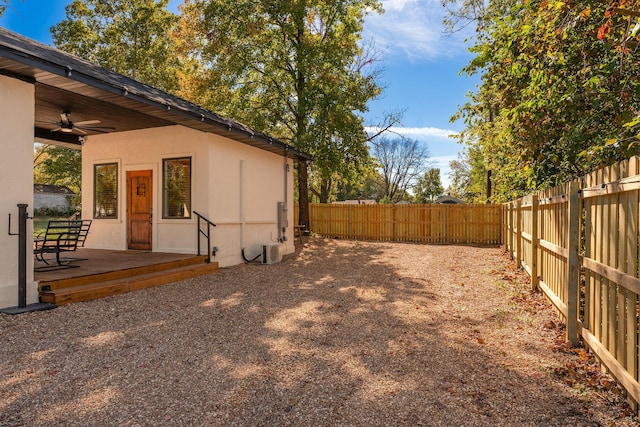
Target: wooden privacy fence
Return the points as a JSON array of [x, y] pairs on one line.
[[579, 244], [445, 224]]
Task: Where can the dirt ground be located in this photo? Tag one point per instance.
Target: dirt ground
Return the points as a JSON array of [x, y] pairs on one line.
[[340, 334]]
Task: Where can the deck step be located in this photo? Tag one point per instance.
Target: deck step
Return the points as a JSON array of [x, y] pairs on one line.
[[52, 285], [95, 290]]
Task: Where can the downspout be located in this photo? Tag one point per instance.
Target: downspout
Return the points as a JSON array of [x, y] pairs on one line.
[[286, 180], [242, 204], [282, 228]]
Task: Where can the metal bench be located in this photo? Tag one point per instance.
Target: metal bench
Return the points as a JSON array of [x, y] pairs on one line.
[[61, 236], [84, 231]]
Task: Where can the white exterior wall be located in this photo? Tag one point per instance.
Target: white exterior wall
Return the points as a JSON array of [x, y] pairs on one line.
[[216, 189], [52, 201], [246, 185], [17, 105], [144, 150]]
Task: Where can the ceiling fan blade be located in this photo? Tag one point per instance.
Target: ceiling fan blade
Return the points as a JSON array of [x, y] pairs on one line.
[[80, 131], [64, 118], [98, 127], [87, 122], [56, 129]]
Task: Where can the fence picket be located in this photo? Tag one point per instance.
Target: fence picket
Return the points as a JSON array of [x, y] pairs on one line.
[[610, 240], [444, 224]]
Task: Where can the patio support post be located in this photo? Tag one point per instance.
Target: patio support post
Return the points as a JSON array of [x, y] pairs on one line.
[[22, 254], [22, 306]]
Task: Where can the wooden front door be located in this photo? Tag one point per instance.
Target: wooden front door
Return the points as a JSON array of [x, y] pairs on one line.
[[139, 209]]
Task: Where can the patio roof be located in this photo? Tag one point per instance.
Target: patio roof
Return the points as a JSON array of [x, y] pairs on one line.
[[64, 82]]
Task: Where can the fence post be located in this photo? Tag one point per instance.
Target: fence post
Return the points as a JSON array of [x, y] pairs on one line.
[[503, 226], [573, 271], [518, 233], [509, 236], [535, 241]]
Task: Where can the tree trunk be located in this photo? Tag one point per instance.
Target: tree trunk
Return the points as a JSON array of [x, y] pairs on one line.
[[325, 190], [303, 194], [489, 186]]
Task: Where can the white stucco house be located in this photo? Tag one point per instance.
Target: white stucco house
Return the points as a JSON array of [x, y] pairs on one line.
[[52, 197], [150, 161]]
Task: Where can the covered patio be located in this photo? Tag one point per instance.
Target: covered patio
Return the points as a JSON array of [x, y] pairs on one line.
[[170, 156]]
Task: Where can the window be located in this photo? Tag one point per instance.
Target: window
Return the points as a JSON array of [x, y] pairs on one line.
[[176, 188], [105, 190]]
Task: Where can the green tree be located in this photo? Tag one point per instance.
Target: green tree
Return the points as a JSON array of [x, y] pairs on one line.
[[468, 176], [3, 6], [459, 174], [63, 166], [131, 37], [429, 187], [559, 87], [294, 69], [367, 184], [56, 165]]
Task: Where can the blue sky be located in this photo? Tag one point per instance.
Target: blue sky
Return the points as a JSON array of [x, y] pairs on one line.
[[420, 66]]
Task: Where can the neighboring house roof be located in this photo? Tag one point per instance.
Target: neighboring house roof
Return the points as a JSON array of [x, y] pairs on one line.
[[450, 200], [52, 189], [66, 82]]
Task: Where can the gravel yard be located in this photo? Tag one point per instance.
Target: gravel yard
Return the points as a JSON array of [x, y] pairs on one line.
[[341, 333]]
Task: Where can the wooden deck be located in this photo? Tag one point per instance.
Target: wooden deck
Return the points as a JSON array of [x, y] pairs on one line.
[[105, 273]]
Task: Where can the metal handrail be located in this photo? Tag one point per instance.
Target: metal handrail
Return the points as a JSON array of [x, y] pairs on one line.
[[207, 234]]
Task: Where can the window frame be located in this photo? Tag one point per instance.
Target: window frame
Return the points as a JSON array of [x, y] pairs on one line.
[[116, 207], [165, 206]]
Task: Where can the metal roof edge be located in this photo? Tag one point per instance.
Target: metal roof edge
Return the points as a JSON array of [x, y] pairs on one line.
[[138, 91]]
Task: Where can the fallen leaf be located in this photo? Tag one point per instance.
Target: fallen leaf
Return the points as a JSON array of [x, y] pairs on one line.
[[550, 325]]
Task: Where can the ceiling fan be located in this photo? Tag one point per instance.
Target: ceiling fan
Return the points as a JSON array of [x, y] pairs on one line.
[[67, 125]]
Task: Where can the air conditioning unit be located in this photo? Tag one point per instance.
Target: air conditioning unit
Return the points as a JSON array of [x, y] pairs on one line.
[[271, 254]]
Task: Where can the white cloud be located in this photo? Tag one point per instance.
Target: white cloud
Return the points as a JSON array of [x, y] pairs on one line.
[[426, 132], [417, 133], [412, 28], [396, 4]]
